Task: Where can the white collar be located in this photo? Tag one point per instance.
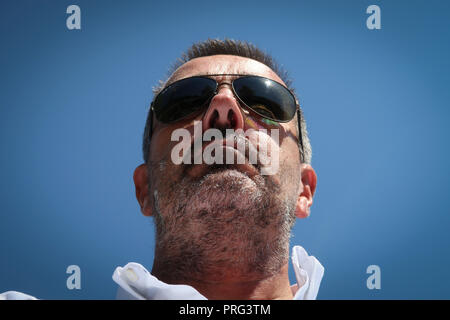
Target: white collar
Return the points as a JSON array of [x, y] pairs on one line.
[[135, 282]]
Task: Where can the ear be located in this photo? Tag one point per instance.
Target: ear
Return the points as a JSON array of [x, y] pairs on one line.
[[140, 178], [305, 198]]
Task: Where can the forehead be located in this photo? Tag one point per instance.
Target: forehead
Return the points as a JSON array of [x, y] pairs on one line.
[[219, 64]]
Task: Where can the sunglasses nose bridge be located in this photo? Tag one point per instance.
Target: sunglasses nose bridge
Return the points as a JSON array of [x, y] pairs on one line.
[[222, 84], [223, 111], [231, 88]]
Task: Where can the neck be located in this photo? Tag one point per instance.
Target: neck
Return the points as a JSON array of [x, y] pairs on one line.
[[242, 287]]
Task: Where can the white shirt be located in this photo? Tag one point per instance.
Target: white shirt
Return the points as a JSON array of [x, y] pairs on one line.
[[136, 283]]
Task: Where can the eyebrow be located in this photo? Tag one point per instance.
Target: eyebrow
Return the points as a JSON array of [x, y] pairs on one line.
[[207, 74], [210, 74], [222, 74]]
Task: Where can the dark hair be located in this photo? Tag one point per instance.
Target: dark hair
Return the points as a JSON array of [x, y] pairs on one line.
[[244, 49]]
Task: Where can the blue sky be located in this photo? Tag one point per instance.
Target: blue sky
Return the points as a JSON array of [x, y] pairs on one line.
[[73, 105]]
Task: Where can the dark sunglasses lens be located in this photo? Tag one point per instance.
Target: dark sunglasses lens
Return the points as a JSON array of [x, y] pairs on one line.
[[183, 98], [266, 97]]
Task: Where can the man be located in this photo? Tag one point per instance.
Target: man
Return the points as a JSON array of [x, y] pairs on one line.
[[222, 229], [223, 225]]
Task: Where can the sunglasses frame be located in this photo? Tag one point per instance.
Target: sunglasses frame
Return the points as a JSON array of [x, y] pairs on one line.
[[208, 76]]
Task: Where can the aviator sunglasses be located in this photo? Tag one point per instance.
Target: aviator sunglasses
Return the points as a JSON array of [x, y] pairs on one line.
[[265, 97]]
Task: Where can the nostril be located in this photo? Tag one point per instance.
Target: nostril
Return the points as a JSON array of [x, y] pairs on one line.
[[213, 119], [232, 118]]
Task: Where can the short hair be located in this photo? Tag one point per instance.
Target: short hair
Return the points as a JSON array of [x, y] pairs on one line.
[[244, 49]]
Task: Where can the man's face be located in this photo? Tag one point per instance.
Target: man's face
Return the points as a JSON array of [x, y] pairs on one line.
[[219, 215]]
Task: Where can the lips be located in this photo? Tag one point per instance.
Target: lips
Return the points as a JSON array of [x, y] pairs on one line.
[[199, 170], [234, 147]]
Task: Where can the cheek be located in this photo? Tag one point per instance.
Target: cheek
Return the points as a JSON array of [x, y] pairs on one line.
[[270, 136], [159, 146], [183, 132], [164, 176], [258, 123], [290, 160], [164, 172], [162, 144]]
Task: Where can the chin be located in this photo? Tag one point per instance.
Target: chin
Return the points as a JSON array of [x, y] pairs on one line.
[[228, 178]]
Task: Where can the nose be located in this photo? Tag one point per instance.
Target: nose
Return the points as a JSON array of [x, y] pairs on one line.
[[223, 112]]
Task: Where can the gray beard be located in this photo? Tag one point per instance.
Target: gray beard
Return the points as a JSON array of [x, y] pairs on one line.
[[221, 224]]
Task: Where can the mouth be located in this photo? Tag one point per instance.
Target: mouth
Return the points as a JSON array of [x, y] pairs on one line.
[[231, 153]]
